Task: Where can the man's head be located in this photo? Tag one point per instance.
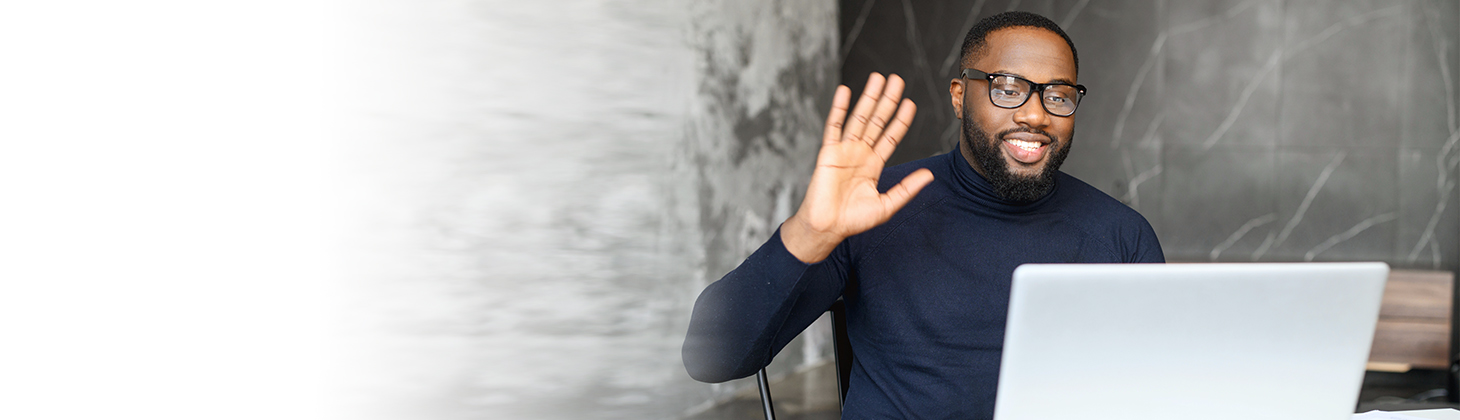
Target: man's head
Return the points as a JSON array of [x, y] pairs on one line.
[[1017, 149]]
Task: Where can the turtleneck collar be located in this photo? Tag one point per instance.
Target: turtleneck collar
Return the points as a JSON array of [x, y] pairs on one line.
[[970, 184]]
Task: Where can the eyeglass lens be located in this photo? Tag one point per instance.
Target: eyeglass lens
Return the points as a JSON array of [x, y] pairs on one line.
[[1011, 92]]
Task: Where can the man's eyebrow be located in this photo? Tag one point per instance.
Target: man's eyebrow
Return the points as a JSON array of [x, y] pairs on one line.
[[1057, 81]]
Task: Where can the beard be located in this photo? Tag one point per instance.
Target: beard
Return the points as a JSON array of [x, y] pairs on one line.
[[1010, 186]]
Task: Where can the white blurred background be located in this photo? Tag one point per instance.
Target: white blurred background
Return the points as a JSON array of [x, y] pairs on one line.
[[161, 185], [380, 209]]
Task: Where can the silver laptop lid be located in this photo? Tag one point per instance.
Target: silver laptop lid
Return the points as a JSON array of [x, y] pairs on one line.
[[1188, 341]]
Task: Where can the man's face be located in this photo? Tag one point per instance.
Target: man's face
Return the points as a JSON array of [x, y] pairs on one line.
[[1018, 150]]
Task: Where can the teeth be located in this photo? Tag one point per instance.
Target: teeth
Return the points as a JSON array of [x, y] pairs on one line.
[[1026, 145]]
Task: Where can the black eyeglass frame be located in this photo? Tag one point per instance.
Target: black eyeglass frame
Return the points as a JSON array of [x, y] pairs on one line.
[[1035, 89]]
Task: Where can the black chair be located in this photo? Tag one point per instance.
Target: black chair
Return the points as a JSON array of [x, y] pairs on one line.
[[843, 357]]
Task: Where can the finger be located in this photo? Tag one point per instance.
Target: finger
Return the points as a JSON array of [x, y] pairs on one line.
[[899, 195], [865, 104], [885, 106], [890, 138], [839, 103]]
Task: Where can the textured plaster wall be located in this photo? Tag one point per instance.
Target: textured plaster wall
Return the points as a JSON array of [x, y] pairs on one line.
[[765, 74], [1244, 130]]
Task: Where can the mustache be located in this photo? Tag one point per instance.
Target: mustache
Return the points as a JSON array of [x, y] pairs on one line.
[[1005, 134]]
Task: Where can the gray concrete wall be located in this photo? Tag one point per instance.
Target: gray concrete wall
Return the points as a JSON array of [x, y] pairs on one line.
[[1244, 130], [533, 193], [766, 72]]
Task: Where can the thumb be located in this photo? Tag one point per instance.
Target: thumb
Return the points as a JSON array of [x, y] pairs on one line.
[[899, 195]]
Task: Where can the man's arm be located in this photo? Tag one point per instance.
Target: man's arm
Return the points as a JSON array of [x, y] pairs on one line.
[[1148, 250], [745, 318]]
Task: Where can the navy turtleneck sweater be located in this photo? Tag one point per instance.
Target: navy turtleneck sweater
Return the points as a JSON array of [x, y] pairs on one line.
[[927, 293]]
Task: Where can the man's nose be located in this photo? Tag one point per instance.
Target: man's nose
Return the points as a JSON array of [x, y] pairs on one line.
[[1032, 113]]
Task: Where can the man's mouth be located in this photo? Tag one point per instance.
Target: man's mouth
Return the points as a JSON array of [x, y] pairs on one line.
[[1032, 146], [1025, 148]]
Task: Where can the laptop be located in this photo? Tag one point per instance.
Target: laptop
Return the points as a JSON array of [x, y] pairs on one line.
[[1188, 341]]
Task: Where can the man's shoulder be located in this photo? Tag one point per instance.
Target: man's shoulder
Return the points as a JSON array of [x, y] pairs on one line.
[[1082, 198], [1099, 214]]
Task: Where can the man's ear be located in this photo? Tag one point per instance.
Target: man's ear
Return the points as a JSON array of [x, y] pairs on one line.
[[955, 94]]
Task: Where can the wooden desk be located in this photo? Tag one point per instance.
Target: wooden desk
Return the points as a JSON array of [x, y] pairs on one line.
[[1414, 322]]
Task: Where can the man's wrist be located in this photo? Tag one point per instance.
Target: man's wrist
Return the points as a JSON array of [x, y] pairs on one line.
[[807, 244]]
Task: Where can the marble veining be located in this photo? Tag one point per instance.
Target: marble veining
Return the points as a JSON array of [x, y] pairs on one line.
[[957, 49], [1266, 244], [1074, 13], [1135, 89], [1272, 63], [1242, 231], [851, 38], [1207, 21], [1302, 208], [1336, 27], [1150, 139], [1346, 235], [1442, 54], [1132, 197], [920, 58], [1444, 187], [1154, 55]]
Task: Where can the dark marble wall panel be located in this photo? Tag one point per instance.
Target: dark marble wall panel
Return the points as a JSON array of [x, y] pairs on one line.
[[1427, 192], [915, 40], [1427, 198], [1215, 119], [1332, 96], [1221, 77], [1116, 145], [1321, 219], [1429, 110], [1201, 194]]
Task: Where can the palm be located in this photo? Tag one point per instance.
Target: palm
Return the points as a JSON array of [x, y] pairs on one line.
[[843, 193], [842, 199]]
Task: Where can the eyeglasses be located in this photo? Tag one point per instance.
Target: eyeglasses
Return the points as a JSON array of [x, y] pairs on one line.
[[1009, 91]]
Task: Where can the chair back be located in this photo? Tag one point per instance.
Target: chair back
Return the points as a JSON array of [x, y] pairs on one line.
[[842, 347]]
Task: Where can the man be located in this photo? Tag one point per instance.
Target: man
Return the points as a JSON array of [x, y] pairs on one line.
[[925, 264]]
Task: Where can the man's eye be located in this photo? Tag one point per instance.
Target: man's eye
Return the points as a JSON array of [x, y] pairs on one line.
[[1056, 99]]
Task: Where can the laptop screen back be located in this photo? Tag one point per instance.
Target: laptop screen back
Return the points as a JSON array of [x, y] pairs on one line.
[[1189, 341]]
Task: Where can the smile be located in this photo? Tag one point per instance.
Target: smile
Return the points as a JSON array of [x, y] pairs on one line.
[[1026, 145], [1025, 148]]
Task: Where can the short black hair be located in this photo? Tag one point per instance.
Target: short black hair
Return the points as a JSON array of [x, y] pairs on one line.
[[976, 40]]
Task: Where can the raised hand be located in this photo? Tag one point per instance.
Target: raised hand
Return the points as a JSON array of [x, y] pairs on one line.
[[842, 199]]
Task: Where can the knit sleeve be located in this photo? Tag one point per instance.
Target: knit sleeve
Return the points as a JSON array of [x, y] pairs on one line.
[[1147, 247], [741, 321]]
